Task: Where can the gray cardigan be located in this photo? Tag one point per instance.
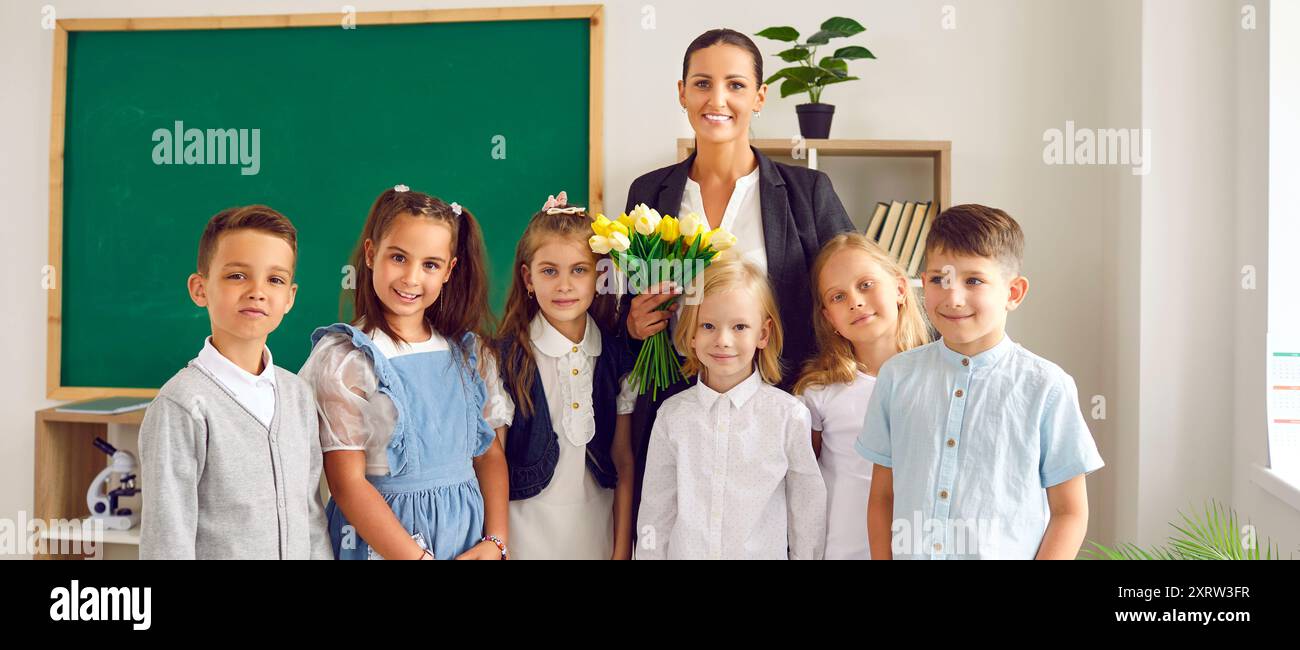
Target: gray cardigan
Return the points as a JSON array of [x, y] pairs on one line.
[[217, 484]]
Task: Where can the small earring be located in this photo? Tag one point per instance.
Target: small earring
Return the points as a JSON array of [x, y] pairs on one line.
[[530, 295], [758, 113], [683, 110]]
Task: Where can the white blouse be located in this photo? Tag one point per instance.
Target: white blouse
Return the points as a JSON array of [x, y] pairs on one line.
[[732, 476], [742, 218], [572, 517], [354, 415], [567, 370], [838, 411]]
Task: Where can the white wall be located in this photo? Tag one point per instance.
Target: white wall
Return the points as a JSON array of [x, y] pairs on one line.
[[1009, 71]]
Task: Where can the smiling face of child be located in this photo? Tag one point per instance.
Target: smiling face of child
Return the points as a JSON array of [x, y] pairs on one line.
[[730, 326], [968, 298], [410, 265], [859, 298], [562, 277], [720, 92], [248, 286]]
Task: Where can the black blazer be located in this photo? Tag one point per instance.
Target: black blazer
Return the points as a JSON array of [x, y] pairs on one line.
[[800, 213]]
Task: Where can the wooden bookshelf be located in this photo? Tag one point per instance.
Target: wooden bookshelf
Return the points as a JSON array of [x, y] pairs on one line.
[[938, 151], [67, 463]]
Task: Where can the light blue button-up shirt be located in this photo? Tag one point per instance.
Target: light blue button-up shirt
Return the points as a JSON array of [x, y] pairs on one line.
[[974, 442]]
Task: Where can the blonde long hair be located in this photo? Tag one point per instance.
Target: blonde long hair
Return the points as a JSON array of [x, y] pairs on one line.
[[723, 275], [835, 362]]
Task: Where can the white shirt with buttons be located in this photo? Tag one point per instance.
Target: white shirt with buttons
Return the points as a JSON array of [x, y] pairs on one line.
[[732, 476], [572, 517], [256, 393]]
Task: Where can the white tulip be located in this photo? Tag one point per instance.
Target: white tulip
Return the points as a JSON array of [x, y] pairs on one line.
[[601, 245], [722, 240], [619, 242], [689, 226]]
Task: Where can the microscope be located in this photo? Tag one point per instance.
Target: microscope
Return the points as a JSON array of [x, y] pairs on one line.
[[102, 501]]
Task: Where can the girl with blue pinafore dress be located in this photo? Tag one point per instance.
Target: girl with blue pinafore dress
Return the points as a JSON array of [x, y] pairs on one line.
[[414, 470]]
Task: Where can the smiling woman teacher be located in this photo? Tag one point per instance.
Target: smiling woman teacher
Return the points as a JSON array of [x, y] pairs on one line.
[[780, 214]]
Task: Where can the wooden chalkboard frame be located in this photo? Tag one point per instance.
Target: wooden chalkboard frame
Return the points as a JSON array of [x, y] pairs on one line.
[[54, 322]]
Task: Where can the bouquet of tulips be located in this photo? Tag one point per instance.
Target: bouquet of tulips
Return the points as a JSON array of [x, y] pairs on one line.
[[650, 249]]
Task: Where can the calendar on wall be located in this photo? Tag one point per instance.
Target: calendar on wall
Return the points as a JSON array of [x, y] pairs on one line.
[[1284, 405]]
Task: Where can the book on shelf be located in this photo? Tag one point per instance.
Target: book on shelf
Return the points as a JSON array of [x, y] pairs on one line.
[[106, 405], [886, 237], [918, 253], [900, 228]]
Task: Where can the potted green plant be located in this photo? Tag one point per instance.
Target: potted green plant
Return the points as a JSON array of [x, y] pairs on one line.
[[812, 75]]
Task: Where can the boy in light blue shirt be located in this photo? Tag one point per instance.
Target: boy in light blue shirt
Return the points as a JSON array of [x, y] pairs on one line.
[[979, 446]]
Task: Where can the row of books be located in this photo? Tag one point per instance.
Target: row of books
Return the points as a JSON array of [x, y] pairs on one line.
[[901, 229]]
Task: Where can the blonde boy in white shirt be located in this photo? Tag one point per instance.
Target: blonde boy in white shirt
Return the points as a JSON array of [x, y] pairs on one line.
[[730, 472]]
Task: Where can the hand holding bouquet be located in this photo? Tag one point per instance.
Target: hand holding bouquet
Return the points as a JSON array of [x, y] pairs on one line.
[[650, 248]]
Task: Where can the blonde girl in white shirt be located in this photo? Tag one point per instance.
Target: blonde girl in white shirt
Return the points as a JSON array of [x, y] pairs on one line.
[[865, 313], [567, 404], [730, 472]]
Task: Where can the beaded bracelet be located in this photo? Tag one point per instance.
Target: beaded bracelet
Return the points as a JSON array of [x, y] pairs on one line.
[[500, 544]]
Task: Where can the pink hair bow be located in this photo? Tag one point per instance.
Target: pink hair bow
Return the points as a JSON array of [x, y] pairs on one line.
[[559, 205]]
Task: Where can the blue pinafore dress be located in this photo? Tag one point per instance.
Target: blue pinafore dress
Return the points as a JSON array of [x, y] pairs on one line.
[[431, 485]]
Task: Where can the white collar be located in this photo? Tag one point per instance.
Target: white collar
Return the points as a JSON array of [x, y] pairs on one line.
[[552, 343], [231, 375], [738, 394]]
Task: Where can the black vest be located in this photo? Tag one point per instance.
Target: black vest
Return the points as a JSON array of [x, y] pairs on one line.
[[532, 446]]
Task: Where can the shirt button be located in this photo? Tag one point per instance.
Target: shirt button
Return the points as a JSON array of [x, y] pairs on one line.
[[952, 443], [965, 362], [959, 393], [575, 406], [943, 494], [575, 371], [575, 348]]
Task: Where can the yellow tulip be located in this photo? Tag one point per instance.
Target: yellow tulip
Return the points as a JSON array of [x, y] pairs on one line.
[[668, 229], [627, 222], [601, 225], [619, 227]]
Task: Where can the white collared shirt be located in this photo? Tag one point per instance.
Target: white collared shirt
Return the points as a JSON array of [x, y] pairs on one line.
[[256, 393], [742, 218], [567, 370], [732, 476]]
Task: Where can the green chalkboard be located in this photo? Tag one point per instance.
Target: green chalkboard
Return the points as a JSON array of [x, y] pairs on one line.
[[341, 115]]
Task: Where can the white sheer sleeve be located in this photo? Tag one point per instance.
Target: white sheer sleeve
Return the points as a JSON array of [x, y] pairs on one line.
[[499, 409], [353, 414]]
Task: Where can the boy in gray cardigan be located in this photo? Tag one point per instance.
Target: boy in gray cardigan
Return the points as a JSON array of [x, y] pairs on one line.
[[231, 458]]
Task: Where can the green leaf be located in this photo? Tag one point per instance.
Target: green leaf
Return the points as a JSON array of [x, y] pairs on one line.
[[834, 80], [821, 38], [776, 75], [838, 67], [800, 73], [788, 34], [840, 26], [854, 52], [794, 54], [792, 87]]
